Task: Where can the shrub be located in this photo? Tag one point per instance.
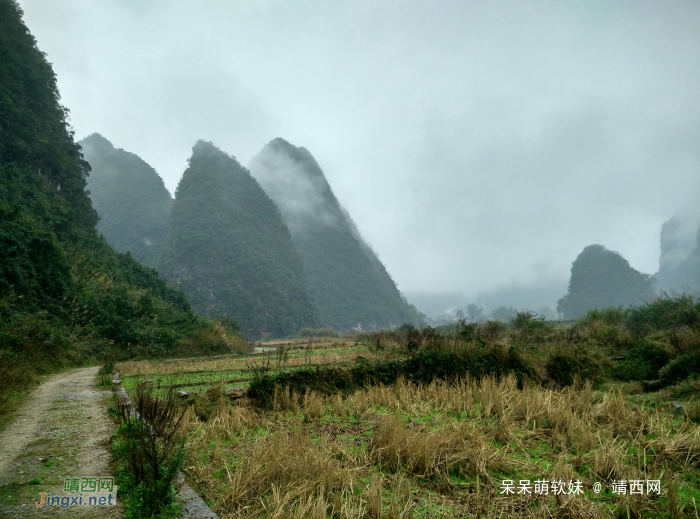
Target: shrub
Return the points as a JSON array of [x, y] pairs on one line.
[[211, 340], [418, 366], [529, 323], [504, 313], [664, 313], [405, 327], [14, 376], [564, 364], [205, 404], [643, 362], [684, 339], [689, 388], [105, 373], [680, 368], [494, 329], [692, 412], [613, 315], [149, 450]]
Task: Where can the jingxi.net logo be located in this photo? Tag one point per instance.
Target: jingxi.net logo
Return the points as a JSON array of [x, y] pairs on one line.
[[83, 491]]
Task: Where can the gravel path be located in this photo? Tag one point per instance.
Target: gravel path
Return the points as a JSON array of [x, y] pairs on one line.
[[62, 430]]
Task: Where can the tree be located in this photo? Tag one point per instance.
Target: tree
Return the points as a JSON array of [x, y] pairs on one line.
[[475, 313], [504, 313]]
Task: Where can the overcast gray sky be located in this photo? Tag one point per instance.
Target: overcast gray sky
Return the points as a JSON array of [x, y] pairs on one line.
[[477, 145]]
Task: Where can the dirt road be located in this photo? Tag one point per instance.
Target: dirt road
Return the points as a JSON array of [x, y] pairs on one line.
[[61, 431]]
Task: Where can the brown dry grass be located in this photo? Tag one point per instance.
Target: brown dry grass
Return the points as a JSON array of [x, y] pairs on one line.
[[415, 451]]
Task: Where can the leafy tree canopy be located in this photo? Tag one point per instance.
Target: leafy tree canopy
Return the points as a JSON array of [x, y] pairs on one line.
[[503, 313]]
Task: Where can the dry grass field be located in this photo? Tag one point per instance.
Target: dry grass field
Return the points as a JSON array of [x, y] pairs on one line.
[[443, 449], [417, 451]]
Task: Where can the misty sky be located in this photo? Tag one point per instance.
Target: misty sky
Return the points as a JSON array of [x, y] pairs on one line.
[[479, 146]]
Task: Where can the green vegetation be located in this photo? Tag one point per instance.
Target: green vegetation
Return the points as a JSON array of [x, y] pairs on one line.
[[658, 342], [350, 286], [230, 252], [504, 313], [601, 278], [66, 297], [148, 451], [130, 199], [104, 374], [602, 347], [418, 365], [403, 422], [443, 450]]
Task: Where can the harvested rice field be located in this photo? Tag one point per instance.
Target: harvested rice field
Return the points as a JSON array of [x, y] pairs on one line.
[[198, 375], [486, 448]]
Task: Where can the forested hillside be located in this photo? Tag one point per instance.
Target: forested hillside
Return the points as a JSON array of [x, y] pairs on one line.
[[349, 284], [230, 252], [65, 294], [130, 198], [601, 278]]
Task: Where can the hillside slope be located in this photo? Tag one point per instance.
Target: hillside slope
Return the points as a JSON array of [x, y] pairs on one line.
[[230, 252], [65, 295], [130, 198], [350, 285]]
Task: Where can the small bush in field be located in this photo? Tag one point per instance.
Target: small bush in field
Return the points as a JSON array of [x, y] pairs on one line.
[[689, 388], [565, 364], [204, 404], [529, 322], [14, 376], [105, 373], [149, 450], [613, 316], [692, 412], [680, 368], [494, 329], [212, 341], [643, 362]]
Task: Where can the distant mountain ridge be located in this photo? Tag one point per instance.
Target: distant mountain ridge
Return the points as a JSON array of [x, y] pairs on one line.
[[131, 199], [230, 252], [350, 286]]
